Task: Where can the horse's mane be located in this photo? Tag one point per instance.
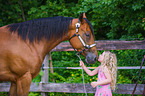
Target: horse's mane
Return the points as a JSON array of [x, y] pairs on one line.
[[45, 27], [52, 27]]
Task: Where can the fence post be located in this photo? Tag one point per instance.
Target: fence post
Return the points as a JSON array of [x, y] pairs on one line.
[[51, 66], [45, 77]]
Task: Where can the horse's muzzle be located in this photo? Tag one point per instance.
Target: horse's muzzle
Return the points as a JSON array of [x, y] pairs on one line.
[[91, 58]]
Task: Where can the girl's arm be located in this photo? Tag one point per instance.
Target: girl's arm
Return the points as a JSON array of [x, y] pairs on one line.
[[89, 72], [103, 82]]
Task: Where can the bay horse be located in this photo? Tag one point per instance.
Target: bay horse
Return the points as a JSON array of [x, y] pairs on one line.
[[23, 47]]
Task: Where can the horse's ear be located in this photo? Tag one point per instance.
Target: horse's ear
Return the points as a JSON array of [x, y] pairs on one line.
[[81, 17], [84, 16]]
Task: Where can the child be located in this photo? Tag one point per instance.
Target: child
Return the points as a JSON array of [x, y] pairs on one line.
[[107, 73]]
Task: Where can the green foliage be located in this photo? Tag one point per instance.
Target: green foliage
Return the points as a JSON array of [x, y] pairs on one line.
[[3, 93], [122, 80], [58, 77], [111, 19], [34, 94]]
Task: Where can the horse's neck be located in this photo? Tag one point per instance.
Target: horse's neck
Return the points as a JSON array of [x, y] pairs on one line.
[[45, 46]]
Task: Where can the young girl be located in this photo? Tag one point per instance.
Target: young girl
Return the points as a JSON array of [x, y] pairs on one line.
[[107, 73]]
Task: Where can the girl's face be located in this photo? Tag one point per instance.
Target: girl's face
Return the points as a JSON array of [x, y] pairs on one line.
[[101, 57]]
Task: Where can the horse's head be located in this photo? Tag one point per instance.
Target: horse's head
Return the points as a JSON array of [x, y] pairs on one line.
[[82, 38]]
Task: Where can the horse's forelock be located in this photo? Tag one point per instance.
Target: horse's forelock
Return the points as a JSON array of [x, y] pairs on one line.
[[91, 27]]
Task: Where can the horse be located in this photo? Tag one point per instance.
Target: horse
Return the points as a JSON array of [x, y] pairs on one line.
[[23, 47]]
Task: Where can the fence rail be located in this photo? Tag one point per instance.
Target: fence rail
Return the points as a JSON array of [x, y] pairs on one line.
[[74, 88], [127, 67], [106, 45]]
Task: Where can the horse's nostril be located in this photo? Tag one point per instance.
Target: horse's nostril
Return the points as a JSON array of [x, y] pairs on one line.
[[95, 59]]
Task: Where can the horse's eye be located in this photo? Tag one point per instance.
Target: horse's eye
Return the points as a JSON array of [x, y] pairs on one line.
[[87, 34]]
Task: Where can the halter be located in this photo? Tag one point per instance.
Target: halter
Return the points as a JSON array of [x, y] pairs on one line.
[[80, 38]]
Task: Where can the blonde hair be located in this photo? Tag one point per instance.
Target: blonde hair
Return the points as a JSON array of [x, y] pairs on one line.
[[110, 61]]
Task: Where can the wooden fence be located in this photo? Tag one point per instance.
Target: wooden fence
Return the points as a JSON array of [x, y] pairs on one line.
[[73, 88], [106, 45], [44, 86]]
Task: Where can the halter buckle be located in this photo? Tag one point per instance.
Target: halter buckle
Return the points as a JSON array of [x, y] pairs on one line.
[[77, 25], [87, 46]]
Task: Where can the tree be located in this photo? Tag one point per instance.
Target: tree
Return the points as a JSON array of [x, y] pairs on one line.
[[111, 19]]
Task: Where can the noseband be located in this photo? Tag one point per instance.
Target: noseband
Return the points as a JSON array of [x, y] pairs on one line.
[[80, 38]]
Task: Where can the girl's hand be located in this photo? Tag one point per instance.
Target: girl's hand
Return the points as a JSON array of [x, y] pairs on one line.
[[94, 84], [81, 63]]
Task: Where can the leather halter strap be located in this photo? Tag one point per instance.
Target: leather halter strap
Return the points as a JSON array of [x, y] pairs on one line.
[[80, 38]]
